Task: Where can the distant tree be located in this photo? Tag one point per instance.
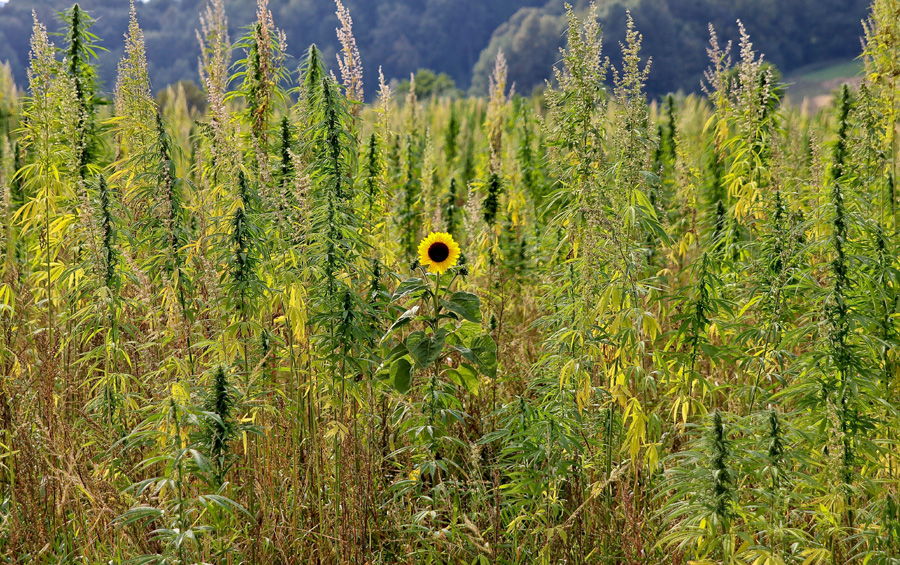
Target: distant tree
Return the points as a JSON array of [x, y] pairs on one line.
[[429, 84], [461, 37]]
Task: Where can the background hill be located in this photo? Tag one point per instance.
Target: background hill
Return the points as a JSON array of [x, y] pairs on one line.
[[461, 37]]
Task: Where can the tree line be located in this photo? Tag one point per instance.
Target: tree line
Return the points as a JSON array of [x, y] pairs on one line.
[[462, 37]]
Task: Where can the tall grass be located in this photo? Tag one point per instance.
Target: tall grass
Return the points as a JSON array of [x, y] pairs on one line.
[[669, 337]]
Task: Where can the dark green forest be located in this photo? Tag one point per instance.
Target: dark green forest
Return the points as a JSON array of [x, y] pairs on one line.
[[461, 37]]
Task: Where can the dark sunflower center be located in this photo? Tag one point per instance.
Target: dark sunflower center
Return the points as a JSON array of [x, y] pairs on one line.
[[438, 252]]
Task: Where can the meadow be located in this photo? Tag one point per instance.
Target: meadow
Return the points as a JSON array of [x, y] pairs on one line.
[[300, 324]]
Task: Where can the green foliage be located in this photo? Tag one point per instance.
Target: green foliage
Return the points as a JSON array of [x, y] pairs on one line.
[[429, 84], [670, 335]]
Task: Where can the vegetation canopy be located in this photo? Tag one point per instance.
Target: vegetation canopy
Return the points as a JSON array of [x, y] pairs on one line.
[[273, 320]]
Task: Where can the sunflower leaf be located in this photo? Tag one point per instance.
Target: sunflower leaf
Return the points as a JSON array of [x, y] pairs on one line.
[[465, 304], [426, 349], [485, 350], [465, 376], [466, 353], [404, 319], [397, 351], [401, 375], [407, 287], [466, 332]]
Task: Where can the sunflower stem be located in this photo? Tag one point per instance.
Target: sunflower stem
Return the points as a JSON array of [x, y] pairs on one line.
[[437, 303]]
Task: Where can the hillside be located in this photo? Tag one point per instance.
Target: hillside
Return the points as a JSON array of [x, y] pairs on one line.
[[461, 37], [675, 35], [816, 84], [399, 35]]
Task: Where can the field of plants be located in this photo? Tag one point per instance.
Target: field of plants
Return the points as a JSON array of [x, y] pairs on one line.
[[580, 327]]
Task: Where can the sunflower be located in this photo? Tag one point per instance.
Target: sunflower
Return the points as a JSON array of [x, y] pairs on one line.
[[438, 252]]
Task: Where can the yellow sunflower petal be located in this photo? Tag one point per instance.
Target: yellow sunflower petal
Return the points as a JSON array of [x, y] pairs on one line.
[[438, 252]]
